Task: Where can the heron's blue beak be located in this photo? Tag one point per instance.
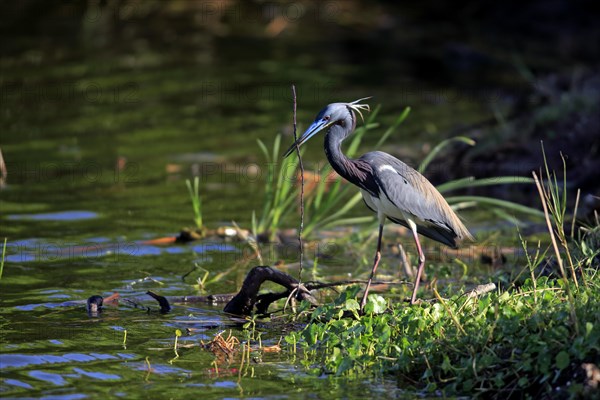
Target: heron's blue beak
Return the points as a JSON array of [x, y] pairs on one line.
[[312, 130]]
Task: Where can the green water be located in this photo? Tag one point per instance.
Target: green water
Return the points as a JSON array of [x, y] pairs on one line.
[[98, 141]]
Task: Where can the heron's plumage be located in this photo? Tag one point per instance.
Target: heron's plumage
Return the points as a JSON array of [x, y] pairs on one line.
[[392, 189], [414, 197], [389, 187]]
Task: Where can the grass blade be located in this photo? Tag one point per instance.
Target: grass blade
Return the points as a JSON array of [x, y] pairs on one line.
[[440, 146], [498, 203], [471, 182], [394, 126], [194, 192]]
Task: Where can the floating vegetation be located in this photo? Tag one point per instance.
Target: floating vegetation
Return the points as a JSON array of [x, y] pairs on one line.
[[223, 348]]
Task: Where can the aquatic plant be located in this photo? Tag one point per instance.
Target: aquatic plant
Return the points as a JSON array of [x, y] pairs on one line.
[[194, 192], [503, 344], [279, 191]]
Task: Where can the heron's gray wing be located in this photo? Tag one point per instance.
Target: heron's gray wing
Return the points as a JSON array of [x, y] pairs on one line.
[[410, 191], [413, 195]]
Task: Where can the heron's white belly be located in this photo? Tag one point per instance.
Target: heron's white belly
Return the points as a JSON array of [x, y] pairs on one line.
[[384, 207]]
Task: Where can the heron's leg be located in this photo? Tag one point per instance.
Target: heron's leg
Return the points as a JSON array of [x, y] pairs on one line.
[[413, 227], [375, 264]]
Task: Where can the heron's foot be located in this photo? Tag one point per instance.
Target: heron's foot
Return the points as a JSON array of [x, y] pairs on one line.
[[415, 301], [363, 302]]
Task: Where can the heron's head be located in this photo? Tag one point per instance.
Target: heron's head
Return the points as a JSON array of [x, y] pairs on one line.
[[343, 114]]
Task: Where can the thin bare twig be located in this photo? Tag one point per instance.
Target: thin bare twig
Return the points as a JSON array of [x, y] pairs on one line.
[[544, 197], [480, 289], [301, 166], [289, 299], [408, 270], [443, 303], [575, 214]]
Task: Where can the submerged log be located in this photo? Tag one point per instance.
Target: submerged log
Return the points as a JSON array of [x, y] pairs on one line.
[[242, 303]]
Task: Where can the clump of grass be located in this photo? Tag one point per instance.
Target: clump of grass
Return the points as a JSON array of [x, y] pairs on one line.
[[554, 201], [194, 192], [279, 186]]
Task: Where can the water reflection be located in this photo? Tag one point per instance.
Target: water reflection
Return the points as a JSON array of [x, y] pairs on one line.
[[55, 216], [40, 250]]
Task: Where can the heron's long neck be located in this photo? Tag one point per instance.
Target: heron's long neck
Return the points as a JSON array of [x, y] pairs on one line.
[[338, 160]]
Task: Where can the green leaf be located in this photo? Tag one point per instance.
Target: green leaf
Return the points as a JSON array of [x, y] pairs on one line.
[[310, 334], [470, 182], [392, 128], [523, 381], [344, 366], [351, 304], [588, 328], [337, 354], [263, 148], [440, 146], [375, 305], [496, 202], [562, 360]]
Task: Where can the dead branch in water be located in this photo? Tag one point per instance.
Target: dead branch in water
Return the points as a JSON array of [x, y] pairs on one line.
[[247, 297], [245, 301]]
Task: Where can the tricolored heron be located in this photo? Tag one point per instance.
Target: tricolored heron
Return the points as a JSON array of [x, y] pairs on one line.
[[389, 187]]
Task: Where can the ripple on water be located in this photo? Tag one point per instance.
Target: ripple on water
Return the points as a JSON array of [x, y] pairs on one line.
[[24, 360], [40, 250], [16, 382], [49, 377], [55, 216], [96, 375]]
